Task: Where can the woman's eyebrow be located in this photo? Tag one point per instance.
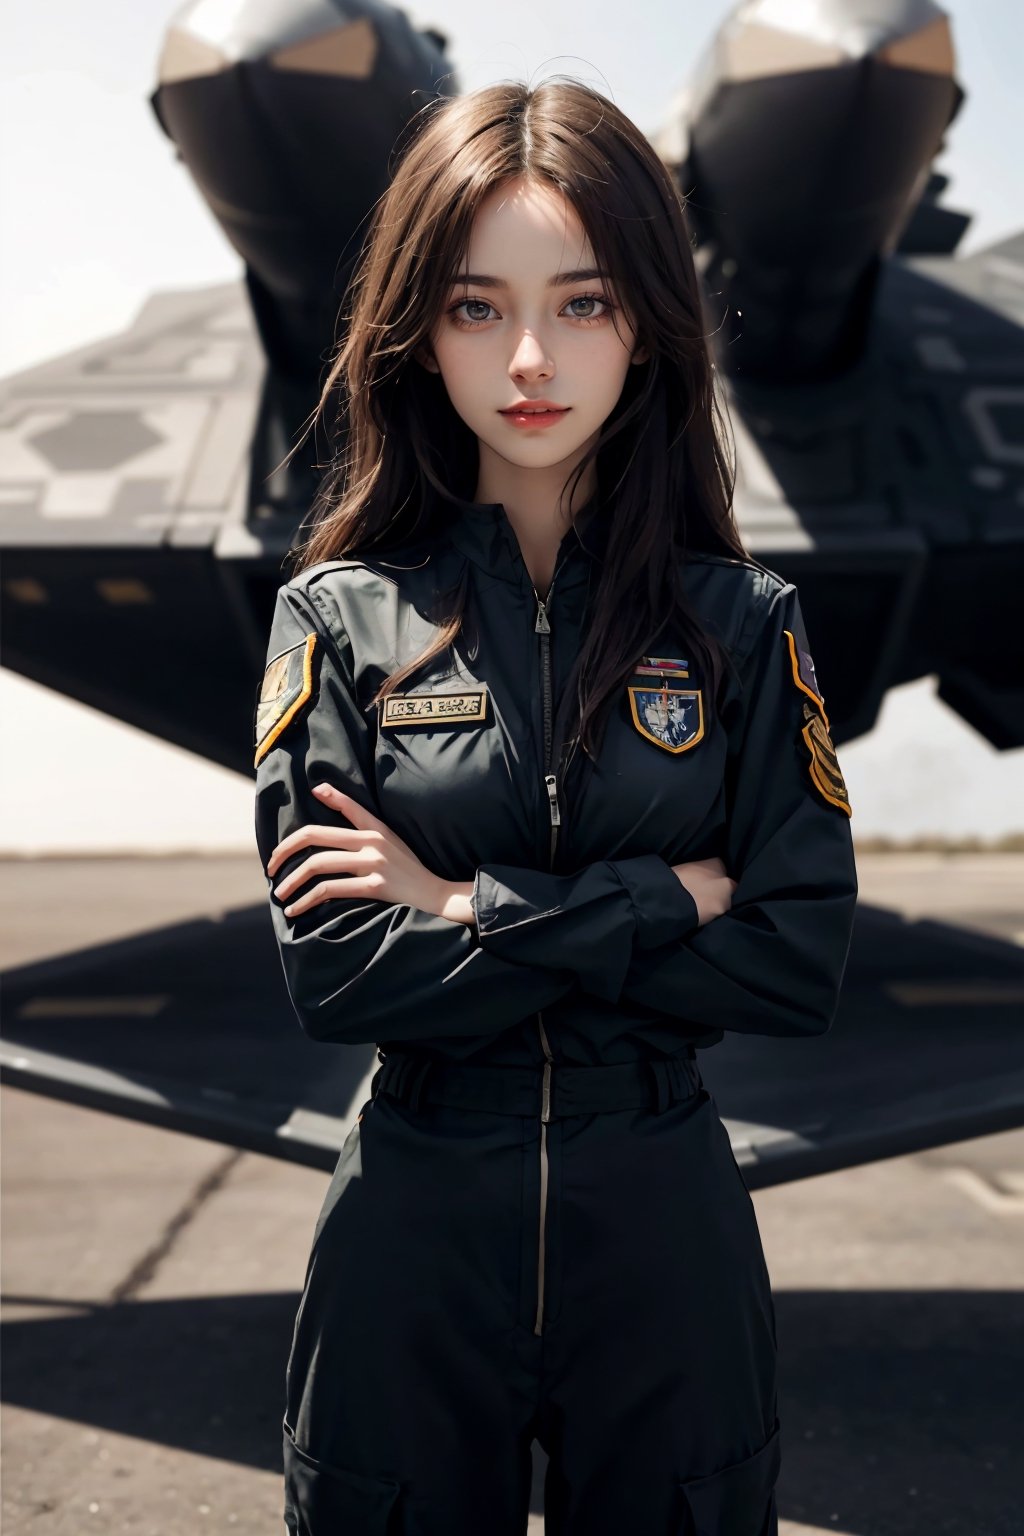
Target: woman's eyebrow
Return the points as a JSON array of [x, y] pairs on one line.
[[560, 279]]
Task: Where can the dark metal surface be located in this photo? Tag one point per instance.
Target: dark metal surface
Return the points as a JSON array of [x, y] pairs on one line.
[[190, 1028]]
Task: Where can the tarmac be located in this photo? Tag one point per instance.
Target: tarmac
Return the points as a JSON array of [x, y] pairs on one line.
[[150, 1279]]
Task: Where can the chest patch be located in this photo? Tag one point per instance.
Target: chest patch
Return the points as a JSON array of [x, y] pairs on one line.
[[663, 666], [673, 718], [287, 684], [406, 709]]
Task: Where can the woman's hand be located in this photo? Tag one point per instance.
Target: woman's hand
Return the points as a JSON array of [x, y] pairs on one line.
[[377, 864], [709, 885]]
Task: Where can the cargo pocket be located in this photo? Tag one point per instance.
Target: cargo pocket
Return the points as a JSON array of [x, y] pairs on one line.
[[324, 1500], [738, 1500]]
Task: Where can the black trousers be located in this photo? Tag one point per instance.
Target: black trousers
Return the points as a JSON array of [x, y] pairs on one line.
[[417, 1379]]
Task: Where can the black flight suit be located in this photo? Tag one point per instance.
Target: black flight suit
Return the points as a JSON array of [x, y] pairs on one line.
[[536, 1226]]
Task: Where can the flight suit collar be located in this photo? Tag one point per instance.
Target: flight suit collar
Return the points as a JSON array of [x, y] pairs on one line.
[[483, 532]]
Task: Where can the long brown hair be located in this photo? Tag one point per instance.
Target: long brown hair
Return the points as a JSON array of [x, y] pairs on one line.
[[664, 477]]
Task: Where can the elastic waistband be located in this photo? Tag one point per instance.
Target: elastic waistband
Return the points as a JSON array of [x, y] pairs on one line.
[[568, 1090]]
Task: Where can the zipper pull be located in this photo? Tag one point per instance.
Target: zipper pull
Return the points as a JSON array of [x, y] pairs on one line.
[[552, 783], [542, 627]]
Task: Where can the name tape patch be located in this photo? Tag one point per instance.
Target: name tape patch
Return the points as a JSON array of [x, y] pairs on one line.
[[434, 708]]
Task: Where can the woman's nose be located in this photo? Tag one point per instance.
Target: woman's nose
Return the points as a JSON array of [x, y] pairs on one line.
[[529, 354]]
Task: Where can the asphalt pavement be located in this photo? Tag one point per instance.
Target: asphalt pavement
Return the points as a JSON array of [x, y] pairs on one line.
[[150, 1279]]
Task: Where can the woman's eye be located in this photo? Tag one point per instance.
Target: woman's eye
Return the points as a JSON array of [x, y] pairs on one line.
[[590, 298], [465, 304], [580, 298]]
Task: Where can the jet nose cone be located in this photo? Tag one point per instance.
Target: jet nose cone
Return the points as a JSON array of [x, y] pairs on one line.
[[911, 33]]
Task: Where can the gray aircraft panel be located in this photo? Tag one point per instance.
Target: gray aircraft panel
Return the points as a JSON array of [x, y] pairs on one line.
[[992, 276], [141, 440]]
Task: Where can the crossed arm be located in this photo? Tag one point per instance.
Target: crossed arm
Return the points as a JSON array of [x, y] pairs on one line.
[[420, 956]]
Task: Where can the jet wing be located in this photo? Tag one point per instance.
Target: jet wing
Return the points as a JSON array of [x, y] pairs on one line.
[[133, 553], [189, 1027], [993, 276]]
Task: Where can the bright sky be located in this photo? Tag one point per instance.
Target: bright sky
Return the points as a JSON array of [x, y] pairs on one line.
[[98, 213]]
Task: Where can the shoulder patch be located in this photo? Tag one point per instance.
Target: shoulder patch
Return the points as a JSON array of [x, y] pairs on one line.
[[804, 675], [287, 684], [826, 775]]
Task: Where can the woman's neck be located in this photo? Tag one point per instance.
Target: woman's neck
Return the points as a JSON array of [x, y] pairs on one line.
[[531, 499]]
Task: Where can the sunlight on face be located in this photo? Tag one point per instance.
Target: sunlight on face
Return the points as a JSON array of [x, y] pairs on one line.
[[523, 336]]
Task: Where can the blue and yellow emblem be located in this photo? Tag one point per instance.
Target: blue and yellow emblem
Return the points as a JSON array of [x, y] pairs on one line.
[[673, 718], [287, 684]]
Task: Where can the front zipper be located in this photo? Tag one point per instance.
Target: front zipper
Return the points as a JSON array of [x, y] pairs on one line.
[[542, 627]]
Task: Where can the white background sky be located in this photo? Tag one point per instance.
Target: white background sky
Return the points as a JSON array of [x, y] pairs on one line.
[[97, 213]]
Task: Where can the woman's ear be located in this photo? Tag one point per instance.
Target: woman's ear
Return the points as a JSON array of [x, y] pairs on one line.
[[424, 354], [640, 355]]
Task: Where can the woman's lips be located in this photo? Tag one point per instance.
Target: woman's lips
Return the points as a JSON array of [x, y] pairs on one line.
[[543, 418]]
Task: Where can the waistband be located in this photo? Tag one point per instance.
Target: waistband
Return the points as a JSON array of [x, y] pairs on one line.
[[569, 1090]]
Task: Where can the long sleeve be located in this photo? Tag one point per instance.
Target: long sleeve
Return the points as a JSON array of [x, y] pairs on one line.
[[773, 964], [590, 923], [359, 970]]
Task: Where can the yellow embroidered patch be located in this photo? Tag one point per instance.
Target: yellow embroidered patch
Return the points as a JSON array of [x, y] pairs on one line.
[[804, 675], [287, 684], [673, 718], [826, 775], [434, 708]]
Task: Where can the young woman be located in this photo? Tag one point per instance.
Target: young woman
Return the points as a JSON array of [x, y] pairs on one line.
[[547, 800]]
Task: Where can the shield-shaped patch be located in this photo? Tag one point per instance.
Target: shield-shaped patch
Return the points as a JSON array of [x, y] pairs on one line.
[[826, 775], [673, 718], [287, 684]]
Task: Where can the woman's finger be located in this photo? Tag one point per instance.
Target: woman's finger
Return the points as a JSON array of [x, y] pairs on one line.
[[356, 813], [313, 833], [359, 885], [328, 861]]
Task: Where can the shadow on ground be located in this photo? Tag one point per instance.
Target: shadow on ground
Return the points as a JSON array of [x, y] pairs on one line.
[[898, 1409]]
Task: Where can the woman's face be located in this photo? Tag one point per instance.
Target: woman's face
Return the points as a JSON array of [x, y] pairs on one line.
[[531, 331]]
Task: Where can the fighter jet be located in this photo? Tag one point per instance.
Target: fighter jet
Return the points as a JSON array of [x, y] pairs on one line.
[[875, 384]]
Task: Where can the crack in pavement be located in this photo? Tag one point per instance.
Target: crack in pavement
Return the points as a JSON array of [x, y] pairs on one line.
[[146, 1267]]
